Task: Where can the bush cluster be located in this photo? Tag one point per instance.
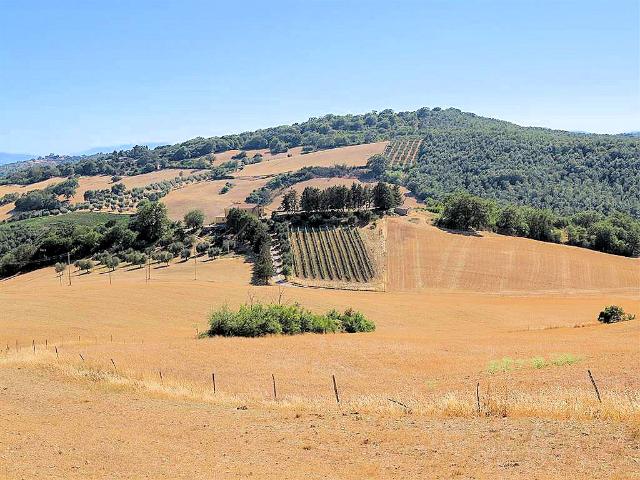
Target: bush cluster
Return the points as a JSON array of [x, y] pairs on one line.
[[614, 314], [272, 319]]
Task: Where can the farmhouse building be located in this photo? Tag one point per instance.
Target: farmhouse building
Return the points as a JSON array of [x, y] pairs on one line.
[[257, 210]]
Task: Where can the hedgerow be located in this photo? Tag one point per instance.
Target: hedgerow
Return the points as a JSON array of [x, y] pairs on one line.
[[257, 320]]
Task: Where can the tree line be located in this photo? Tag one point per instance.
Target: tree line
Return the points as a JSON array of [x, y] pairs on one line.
[[617, 233], [382, 197]]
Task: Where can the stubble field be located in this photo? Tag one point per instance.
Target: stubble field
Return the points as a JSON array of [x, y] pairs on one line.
[[80, 417]]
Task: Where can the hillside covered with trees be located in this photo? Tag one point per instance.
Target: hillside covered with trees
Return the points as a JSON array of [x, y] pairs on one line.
[[563, 171]]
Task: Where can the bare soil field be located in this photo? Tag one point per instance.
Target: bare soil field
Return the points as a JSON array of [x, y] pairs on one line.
[[425, 257]]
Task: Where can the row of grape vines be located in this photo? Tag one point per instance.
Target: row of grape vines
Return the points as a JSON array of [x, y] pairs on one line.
[[403, 150], [331, 254]]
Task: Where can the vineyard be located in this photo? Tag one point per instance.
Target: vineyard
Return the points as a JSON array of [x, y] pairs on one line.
[[337, 254], [403, 150]]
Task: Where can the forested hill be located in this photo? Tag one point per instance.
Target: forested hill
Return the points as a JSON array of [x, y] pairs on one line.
[[564, 171]]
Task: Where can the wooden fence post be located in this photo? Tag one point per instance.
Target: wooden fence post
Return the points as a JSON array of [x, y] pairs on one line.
[[335, 389], [595, 387], [213, 380], [478, 396], [275, 393]]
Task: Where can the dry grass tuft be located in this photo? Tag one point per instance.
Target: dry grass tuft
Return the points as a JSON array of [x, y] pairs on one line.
[[558, 403]]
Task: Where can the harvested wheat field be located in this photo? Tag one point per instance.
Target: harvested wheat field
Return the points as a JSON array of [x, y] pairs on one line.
[[100, 182], [228, 155], [423, 257], [13, 188], [408, 405], [207, 197], [352, 156], [96, 182]]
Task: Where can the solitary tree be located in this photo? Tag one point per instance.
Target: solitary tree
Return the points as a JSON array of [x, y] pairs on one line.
[[85, 265], [263, 267], [463, 211], [150, 221], [60, 268], [194, 219], [111, 262], [165, 257]]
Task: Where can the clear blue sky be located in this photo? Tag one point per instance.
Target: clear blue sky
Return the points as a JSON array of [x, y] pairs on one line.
[[75, 75]]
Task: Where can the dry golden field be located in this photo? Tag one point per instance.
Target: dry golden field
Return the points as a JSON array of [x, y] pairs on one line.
[[13, 188], [425, 257], [97, 182], [207, 197], [266, 154], [100, 182], [353, 156], [439, 333]]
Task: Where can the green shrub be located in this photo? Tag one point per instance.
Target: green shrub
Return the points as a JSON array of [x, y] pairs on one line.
[[352, 321], [614, 314], [270, 319]]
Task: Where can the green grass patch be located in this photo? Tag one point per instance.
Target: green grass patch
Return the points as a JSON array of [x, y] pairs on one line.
[[259, 319], [508, 364], [565, 359], [73, 218]]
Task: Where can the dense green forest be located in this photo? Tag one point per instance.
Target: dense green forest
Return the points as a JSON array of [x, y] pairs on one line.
[[542, 168]]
